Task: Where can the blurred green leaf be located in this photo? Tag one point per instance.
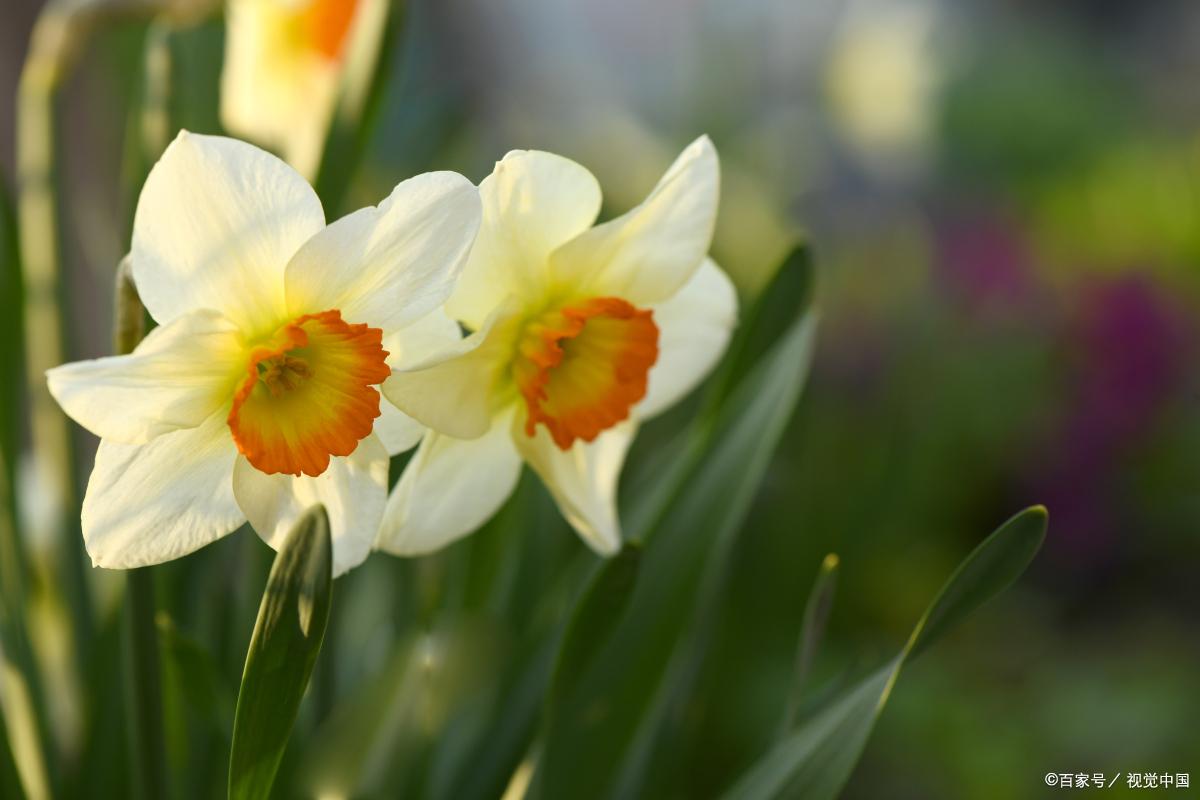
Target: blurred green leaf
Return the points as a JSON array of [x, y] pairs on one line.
[[598, 743], [24, 713], [480, 766], [774, 312], [192, 670], [815, 760], [143, 685], [24, 716], [595, 618], [11, 331], [812, 630], [287, 638], [657, 479]]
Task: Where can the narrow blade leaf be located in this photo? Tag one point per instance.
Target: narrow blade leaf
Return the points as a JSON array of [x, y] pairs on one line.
[[816, 759], [600, 738], [812, 630], [287, 638], [596, 615]]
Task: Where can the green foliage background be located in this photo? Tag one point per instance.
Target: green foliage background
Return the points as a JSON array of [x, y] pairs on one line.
[[1009, 298]]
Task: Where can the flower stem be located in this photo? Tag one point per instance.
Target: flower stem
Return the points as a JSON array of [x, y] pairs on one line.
[[143, 672], [143, 686]]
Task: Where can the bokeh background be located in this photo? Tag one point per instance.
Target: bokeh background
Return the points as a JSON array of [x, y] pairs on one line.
[[1004, 201]]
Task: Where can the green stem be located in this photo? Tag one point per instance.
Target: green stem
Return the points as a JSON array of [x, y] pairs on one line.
[[143, 672], [143, 688]]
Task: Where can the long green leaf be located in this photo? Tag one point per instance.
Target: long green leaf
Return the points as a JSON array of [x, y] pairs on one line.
[[815, 761], [11, 333], [24, 717], [596, 615], [287, 638], [598, 742], [812, 630], [661, 475], [194, 674], [792, 289]]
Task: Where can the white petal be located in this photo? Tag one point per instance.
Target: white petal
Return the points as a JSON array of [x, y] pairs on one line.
[[449, 488], [146, 504], [353, 491], [582, 480], [532, 203], [430, 335], [426, 337], [646, 255], [454, 390], [176, 378], [216, 224], [396, 430], [390, 265], [694, 327]]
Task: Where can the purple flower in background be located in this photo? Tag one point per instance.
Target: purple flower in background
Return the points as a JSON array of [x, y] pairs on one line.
[[1128, 343], [985, 263]]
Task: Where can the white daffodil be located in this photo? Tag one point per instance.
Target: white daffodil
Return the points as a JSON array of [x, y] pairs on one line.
[[579, 332], [255, 396], [284, 60]]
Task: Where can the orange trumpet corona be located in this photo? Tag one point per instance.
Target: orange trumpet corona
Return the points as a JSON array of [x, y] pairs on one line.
[[308, 394], [581, 368]]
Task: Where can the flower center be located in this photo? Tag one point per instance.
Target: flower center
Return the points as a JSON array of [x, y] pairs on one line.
[[582, 367], [283, 373], [308, 394]]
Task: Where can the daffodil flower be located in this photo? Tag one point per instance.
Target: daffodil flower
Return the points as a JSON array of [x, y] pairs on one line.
[[578, 333], [284, 60], [256, 396]]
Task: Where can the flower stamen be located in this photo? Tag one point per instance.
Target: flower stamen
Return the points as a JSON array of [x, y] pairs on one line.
[[283, 373]]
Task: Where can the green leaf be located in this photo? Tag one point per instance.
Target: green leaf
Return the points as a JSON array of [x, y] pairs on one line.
[[12, 357], [599, 741], [192, 670], [143, 685], [24, 713], [812, 630], [792, 287], [815, 760], [596, 615], [287, 638], [661, 476]]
